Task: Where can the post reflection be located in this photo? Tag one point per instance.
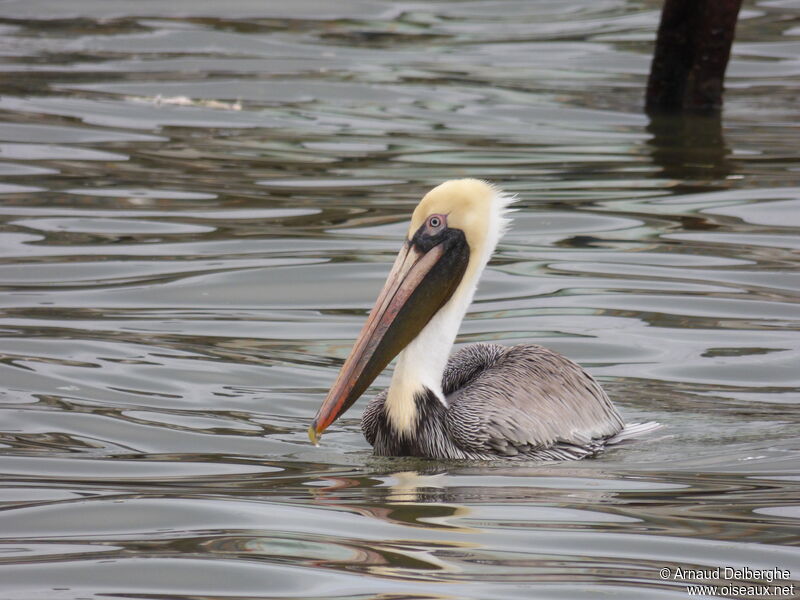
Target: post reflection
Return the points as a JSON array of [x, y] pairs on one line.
[[689, 147]]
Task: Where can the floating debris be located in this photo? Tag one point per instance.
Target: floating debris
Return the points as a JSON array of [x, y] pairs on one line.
[[186, 101]]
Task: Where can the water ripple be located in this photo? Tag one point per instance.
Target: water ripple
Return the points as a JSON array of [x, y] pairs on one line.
[[199, 203]]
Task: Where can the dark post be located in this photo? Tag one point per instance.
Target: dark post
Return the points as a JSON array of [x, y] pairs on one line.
[[692, 51]]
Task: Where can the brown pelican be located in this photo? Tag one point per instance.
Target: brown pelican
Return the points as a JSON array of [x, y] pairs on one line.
[[487, 401]]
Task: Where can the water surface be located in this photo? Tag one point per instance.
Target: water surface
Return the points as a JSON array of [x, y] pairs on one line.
[[199, 202]]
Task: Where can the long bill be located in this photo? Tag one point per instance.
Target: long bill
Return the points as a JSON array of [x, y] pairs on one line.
[[419, 283]]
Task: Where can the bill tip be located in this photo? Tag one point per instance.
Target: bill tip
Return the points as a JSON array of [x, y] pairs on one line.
[[313, 436]]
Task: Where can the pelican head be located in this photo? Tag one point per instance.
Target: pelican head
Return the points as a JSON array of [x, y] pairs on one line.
[[452, 234]]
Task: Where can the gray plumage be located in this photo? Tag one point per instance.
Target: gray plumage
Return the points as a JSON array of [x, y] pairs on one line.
[[521, 402]]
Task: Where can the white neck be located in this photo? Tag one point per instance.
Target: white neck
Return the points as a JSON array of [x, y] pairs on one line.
[[421, 364]]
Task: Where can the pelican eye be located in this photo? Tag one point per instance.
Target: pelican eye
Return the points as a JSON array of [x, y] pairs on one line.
[[435, 222], [432, 231]]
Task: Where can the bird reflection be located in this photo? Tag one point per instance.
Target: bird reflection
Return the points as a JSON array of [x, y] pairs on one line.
[[436, 498]]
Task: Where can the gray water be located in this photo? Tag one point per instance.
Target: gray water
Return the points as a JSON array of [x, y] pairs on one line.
[[199, 202]]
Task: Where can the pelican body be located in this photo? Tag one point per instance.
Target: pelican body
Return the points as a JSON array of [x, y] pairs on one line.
[[487, 401]]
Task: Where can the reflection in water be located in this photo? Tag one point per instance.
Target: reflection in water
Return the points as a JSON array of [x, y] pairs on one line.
[[690, 147], [464, 520]]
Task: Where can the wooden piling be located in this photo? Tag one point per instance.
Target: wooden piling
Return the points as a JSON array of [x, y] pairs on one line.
[[692, 51]]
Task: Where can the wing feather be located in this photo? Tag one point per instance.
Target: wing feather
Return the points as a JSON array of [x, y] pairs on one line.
[[525, 399]]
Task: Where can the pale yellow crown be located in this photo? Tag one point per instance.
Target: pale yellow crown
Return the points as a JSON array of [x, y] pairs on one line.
[[475, 207]]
